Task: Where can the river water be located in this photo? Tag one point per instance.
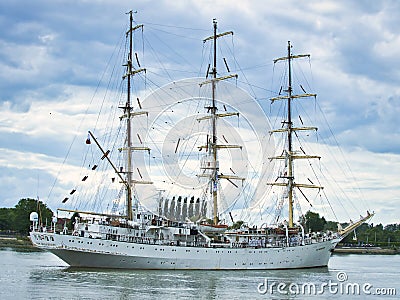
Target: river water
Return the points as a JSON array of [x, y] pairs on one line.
[[41, 275]]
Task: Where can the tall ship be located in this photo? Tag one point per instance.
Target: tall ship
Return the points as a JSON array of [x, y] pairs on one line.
[[190, 231]]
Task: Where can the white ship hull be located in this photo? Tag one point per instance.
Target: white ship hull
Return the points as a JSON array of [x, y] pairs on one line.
[[98, 253]]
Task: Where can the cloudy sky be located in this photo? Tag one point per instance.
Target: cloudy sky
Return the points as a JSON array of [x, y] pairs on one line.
[[53, 53]]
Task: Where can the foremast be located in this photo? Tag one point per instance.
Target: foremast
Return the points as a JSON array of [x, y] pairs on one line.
[[125, 176], [212, 145], [128, 114], [289, 155]]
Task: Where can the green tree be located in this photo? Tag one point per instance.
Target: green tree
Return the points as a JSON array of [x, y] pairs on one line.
[[23, 209], [376, 235], [392, 227], [314, 222], [6, 216], [331, 225]]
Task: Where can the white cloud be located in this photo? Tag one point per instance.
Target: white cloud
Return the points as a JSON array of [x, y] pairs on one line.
[[58, 118]]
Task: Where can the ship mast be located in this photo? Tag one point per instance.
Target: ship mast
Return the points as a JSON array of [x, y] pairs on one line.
[[290, 154], [128, 114], [213, 108], [127, 110], [213, 147], [289, 135]]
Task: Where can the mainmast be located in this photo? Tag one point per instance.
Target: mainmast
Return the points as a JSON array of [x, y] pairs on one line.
[[128, 114], [289, 154], [213, 147]]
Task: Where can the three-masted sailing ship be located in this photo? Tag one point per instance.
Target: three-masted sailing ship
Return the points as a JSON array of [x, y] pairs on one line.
[[141, 239]]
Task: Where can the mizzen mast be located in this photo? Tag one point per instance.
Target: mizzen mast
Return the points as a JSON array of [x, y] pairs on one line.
[[289, 154]]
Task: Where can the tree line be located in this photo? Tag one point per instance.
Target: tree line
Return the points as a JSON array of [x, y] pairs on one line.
[[366, 234], [16, 219]]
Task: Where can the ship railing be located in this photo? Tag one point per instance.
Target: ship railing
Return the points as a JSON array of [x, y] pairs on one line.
[[265, 243], [43, 229], [256, 243], [280, 242], [152, 241], [51, 229]]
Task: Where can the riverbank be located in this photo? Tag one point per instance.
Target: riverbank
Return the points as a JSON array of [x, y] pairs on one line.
[[17, 242], [365, 250]]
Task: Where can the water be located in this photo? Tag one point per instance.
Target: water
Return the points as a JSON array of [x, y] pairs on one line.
[[41, 275]]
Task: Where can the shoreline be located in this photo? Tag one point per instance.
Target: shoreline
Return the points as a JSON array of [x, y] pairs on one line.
[[365, 250], [17, 243]]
